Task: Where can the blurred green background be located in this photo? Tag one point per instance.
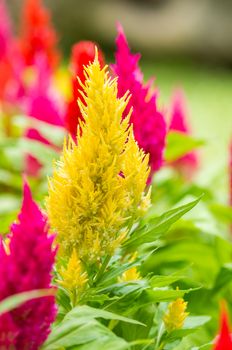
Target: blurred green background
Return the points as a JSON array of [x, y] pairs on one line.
[[184, 43]]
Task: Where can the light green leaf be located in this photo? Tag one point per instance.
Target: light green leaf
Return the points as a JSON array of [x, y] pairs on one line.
[[179, 144], [16, 300], [158, 226]]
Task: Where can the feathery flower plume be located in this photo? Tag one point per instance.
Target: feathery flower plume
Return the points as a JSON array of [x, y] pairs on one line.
[[83, 53], [38, 35], [98, 184], [148, 122], [27, 265], [224, 340], [189, 162], [74, 279], [175, 316]]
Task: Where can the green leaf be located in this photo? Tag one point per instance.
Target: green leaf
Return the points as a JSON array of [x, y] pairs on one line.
[[158, 226], [87, 313], [9, 203], [191, 324], [79, 327], [70, 334], [163, 281], [223, 278], [16, 300], [179, 144]]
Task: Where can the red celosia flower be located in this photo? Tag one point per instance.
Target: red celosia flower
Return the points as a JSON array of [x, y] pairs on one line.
[[188, 163], [224, 340], [27, 266], [83, 53], [5, 44], [38, 35], [148, 121]]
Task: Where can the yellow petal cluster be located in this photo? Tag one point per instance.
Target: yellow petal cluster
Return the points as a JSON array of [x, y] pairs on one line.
[[176, 315], [73, 277], [98, 185], [131, 274]]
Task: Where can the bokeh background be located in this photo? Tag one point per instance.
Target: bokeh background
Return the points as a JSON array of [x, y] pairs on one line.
[[186, 43]]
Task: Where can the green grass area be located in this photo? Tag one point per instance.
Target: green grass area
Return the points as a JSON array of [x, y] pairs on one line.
[[209, 100]]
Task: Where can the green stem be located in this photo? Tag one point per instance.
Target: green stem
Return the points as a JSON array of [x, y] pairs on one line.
[[160, 333], [102, 269]]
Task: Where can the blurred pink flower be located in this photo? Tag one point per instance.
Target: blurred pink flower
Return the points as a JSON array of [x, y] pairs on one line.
[[148, 120], [188, 163], [43, 103], [27, 266], [5, 30]]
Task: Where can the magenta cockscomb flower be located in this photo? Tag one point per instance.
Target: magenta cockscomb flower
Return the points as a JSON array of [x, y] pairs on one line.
[[27, 265], [42, 100], [148, 120], [188, 163], [43, 103], [5, 30]]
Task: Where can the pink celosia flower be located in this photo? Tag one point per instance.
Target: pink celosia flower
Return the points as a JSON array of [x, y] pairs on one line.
[[148, 121], [188, 163], [27, 266], [224, 340], [42, 103], [5, 30]]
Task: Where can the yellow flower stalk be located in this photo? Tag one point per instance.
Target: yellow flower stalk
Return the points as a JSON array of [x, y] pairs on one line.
[[98, 184], [131, 274], [73, 277], [176, 315]]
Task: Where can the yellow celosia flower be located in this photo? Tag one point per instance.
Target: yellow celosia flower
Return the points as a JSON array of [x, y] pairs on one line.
[[98, 185], [73, 277], [131, 274], [176, 315]]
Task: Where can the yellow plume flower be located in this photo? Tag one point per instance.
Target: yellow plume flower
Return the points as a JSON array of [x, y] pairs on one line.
[[176, 315], [73, 277], [98, 184], [131, 274]]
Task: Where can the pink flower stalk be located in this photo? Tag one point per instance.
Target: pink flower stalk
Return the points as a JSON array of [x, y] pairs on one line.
[[188, 163], [42, 103], [148, 122], [27, 266], [5, 30], [224, 340]]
